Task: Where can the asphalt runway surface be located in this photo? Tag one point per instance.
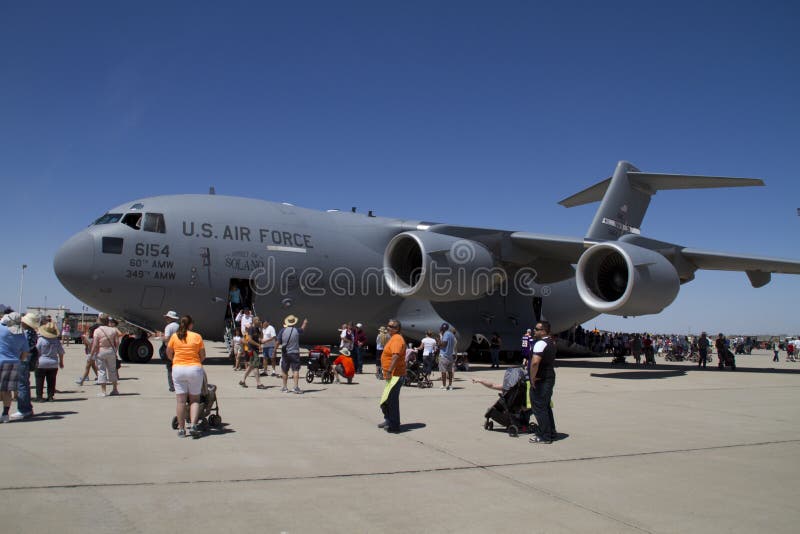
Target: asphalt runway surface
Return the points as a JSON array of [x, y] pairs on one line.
[[669, 448]]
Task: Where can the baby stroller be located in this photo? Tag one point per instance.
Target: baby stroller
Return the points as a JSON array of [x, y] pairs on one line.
[[415, 373], [319, 365], [727, 359], [512, 409], [208, 404]]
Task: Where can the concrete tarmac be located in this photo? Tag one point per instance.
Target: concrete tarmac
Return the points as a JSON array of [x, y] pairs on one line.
[[668, 448]]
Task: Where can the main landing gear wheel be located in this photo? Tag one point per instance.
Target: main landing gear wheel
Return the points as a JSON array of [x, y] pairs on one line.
[[140, 351], [310, 376], [123, 348]]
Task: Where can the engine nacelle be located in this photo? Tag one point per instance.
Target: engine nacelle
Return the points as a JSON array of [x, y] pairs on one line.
[[439, 267], [624, 279]]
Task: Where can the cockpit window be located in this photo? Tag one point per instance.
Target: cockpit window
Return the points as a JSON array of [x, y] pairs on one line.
[[134, 220], [154, 222], [108, 218], [137, 206]]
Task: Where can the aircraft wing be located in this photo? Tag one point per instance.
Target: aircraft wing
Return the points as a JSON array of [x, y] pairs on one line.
[[758, 268], [552, 247]]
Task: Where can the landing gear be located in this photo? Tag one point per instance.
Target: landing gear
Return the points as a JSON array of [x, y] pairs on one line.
[[124, 344], [140, 350]]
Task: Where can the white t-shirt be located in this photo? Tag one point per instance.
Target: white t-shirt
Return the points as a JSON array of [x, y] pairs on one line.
[[269, 336], [428, 345], [247, 322]]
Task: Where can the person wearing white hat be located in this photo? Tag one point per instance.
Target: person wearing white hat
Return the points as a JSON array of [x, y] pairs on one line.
[[13, 348], [172, 318]]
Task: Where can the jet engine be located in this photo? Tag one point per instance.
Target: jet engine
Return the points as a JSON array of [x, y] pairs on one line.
[[624, 279], [439, 267]]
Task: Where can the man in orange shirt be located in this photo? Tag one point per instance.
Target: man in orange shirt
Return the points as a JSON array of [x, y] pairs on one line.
[[343, 366], [393, 363]]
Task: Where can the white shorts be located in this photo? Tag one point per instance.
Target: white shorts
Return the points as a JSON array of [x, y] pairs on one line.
[[188, 379]]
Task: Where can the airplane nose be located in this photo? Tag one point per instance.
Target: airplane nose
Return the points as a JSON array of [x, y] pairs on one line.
[[74, 262]]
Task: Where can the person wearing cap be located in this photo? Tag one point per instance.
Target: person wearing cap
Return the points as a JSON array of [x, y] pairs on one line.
[[344, 367], [359, 346], [527, 345], [393, 364], [30, 324], [172, 319], [289, 339], [447, 349], [104, 352], [14, 348], [51, 359]]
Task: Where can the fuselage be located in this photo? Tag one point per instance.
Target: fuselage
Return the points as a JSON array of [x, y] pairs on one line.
[[184, 252]]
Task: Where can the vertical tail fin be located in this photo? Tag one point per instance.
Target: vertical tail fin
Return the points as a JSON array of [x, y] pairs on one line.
[[625, 197]]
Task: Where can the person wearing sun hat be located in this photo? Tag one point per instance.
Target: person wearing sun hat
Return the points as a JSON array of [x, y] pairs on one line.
[[30, 325], [289, 339], [51, 359], [13, 348], [344, 367]]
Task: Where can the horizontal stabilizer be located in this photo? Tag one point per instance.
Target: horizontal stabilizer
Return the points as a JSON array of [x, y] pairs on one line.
[[649, 183]]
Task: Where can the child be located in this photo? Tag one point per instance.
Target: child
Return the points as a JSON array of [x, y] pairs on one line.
[[237, 351]]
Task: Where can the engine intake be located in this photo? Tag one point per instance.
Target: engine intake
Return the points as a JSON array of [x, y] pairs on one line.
[[623, 279], [439, 267]]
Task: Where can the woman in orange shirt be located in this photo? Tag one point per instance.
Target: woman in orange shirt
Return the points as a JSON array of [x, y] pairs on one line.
[[187, 352]]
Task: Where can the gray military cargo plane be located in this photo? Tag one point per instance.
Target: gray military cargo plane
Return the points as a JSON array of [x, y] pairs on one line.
[[185, 252]]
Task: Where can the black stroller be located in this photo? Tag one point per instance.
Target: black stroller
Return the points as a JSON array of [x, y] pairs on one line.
[[319, 364], [512, 408], [209, 408], [415, 373], [727, 359]]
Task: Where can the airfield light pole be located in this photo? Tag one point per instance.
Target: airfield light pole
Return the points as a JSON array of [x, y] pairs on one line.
[[21, 280]]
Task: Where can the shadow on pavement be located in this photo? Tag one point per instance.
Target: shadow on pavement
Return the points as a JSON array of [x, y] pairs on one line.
[[46, 416], [672, 367], [637, 375]]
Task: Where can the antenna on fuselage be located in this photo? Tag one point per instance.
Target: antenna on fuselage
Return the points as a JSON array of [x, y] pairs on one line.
[[212, 191]]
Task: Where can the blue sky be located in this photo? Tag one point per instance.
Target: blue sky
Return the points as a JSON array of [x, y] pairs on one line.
[[474, 113]]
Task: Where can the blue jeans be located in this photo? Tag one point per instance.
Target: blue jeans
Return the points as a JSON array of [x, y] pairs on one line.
[[495, 357], [391, 408], [24, 405], [541, 397]]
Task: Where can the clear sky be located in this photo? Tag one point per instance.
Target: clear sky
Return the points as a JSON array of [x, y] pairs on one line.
[[473, 113]]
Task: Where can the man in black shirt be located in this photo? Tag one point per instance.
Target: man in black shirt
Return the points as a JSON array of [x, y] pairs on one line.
[[543, 379]]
